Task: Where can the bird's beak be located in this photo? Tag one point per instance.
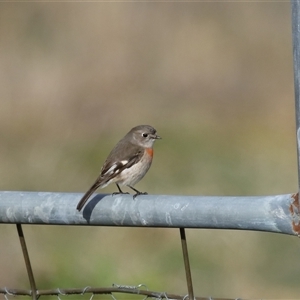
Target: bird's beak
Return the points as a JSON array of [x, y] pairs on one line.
[[157, 137]]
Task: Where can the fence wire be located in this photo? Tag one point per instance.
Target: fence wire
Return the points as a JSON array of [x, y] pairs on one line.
[[113, 292]]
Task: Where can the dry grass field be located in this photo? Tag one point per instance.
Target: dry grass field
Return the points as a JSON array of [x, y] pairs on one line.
[[216, 81]]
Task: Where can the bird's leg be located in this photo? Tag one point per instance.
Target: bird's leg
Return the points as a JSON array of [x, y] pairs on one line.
[[137, 192], [119, 192]]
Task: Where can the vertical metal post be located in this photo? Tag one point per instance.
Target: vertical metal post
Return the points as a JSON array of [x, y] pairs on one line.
[[295, 5], [186, 264], [27, 261]]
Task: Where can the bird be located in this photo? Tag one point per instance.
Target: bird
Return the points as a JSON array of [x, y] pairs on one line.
[[127, 163]]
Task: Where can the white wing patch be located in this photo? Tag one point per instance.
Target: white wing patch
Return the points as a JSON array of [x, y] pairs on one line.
[[111, 170], [115, 168]]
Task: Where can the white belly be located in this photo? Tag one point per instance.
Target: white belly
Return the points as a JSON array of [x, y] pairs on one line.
[[134, 174]]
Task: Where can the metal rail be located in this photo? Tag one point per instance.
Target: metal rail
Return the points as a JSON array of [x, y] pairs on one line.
[[278, 213]]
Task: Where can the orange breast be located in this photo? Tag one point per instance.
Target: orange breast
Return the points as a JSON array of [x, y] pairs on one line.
[[150, 151]]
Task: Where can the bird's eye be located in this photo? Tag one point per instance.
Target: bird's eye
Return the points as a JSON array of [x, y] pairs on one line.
[[145, 134]]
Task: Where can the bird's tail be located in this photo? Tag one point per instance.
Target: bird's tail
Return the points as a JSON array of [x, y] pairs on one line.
[[87, 195]]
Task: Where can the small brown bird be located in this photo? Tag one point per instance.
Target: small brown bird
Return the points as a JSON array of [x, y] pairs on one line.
[[127, 163]]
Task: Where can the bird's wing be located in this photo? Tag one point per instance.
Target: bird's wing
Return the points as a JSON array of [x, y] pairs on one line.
[[128, 156]]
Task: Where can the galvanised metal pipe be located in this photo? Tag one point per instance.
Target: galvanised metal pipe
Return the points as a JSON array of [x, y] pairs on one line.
[[278, 213], [295, 4]]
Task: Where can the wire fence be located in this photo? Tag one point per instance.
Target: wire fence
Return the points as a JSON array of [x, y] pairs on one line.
[[278, 214], [113, 292]]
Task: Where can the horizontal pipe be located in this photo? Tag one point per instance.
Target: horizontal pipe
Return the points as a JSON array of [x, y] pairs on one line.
[[278, 213]]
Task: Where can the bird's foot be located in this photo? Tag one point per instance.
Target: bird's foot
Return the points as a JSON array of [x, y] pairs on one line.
[[139, 193]]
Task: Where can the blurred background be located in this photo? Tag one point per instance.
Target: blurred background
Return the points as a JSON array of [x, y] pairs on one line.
[[214, 79]]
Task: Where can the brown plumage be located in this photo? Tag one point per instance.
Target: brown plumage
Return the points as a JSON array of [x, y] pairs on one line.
[[127, 163]]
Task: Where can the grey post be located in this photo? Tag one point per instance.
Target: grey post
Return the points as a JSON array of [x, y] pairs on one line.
[[295, 4]]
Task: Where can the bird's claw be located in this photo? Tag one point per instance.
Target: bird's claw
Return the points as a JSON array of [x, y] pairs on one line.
[[139, 193]]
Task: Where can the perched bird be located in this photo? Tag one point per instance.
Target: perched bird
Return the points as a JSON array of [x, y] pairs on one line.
[[127, 163]]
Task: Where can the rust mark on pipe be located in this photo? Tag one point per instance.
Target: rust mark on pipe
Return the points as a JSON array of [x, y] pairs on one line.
[[295, 204], [295, 212]]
